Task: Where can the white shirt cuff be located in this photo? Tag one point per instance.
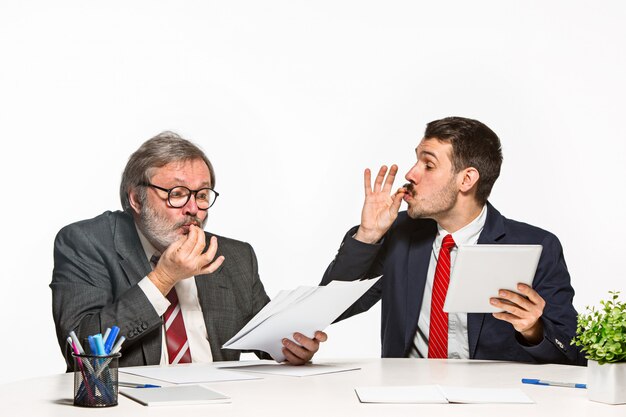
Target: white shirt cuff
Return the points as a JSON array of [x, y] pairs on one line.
[[158, 300]]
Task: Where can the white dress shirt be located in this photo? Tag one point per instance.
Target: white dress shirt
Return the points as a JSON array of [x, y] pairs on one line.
[[187, 293], [458, 341]]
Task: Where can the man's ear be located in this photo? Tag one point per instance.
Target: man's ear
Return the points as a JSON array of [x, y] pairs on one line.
[[133, 199], [469, 179]]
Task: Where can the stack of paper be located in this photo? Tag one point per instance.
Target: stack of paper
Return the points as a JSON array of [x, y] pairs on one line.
[[304, 310], [438, 394]]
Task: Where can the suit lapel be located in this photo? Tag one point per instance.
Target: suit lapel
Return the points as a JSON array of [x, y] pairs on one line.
[[136, 266], [420, 249], [128, 246], [492, 232]]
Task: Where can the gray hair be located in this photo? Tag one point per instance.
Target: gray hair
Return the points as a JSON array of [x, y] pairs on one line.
[[164, 148]]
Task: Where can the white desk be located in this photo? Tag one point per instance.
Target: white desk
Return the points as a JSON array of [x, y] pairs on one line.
[[333, 394]]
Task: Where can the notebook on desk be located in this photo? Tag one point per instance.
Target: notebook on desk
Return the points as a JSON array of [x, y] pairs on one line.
[[175, 395]]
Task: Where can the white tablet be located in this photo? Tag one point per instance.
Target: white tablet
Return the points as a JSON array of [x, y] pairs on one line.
[[479, 271]]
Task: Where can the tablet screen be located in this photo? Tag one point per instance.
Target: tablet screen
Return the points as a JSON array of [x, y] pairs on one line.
[[479, 271]]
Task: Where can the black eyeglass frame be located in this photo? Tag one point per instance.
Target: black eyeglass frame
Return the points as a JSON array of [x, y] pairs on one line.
[[194, 192]]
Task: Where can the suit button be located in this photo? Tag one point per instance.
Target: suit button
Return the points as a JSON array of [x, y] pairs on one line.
[[144, 325]]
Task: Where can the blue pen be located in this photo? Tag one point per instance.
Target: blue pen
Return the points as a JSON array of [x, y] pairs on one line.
[[552, 383], [108, 343], [133, 385]]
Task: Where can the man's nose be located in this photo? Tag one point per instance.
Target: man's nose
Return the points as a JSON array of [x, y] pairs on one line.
[[191, 207], [412, 176]]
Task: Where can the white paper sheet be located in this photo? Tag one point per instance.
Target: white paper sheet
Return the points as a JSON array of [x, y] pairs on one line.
[[187, 374], [438, 394], [417, 394], [472, 395], [291, 370], [304, 310]]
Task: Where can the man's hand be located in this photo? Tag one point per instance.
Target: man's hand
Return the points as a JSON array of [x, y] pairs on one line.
[[299, 354], [184, 259], [523, 313], [380, 209]]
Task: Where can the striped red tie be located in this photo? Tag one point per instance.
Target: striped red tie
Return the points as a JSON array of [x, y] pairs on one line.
[[175, 333], [438, 333]]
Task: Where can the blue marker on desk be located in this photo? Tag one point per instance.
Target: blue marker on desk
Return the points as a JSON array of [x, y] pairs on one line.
[[133, 385], [552, 383]]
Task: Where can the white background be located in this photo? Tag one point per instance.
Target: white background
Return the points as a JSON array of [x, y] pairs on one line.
[[291, 100]]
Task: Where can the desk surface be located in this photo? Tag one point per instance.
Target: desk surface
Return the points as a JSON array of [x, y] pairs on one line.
[[333, 394]]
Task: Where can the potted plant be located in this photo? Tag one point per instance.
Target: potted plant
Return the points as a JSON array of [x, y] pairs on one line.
[[601, 334]]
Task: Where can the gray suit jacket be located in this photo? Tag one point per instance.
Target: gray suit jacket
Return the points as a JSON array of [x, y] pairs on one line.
[[97, 265]]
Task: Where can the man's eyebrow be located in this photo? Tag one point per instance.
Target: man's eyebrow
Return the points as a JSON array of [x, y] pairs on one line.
[[420, 153]]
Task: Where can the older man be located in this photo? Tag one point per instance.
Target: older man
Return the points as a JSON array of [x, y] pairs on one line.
[[176, 292]]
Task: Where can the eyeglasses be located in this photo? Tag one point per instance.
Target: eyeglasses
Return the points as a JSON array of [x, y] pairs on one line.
[[179, 196]]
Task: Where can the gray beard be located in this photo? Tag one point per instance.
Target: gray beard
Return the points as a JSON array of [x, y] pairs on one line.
[[159, 230]]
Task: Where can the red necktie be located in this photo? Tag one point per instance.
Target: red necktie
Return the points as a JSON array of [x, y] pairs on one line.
[[175, 333], [438, 333]]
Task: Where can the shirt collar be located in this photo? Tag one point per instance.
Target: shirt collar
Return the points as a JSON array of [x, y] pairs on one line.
[[467, 235]]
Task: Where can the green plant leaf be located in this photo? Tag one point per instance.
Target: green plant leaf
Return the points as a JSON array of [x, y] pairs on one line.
[[601, 333]]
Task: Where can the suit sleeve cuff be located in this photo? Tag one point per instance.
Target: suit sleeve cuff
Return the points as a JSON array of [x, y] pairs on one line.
[[551, 349], [158, 300]]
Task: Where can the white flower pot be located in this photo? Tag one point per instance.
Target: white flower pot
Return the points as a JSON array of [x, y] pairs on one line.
[[606, 383]]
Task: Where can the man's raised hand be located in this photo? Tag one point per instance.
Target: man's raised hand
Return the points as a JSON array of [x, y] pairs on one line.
[[380, 208]]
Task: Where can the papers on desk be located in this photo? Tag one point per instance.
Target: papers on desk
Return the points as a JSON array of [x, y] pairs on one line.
[[304, 310], [272, 368], [176, 395], [419, 394], [193, 373], [438, 394]]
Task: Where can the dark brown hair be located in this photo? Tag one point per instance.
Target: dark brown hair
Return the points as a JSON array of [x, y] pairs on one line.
[[473, 145]]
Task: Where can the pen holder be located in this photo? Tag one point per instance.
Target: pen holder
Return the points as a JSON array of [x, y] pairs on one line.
[[96, 380]]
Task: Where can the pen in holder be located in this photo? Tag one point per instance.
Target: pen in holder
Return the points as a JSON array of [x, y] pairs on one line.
[[96, 380]]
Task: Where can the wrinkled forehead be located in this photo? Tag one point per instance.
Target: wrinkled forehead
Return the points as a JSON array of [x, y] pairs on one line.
[[183, 172]]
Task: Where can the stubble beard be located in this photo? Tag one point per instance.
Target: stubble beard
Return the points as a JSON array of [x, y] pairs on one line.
[[440, 203], [159, 230]]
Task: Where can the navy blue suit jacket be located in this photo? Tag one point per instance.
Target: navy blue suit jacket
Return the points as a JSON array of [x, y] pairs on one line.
[[403, 256]]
